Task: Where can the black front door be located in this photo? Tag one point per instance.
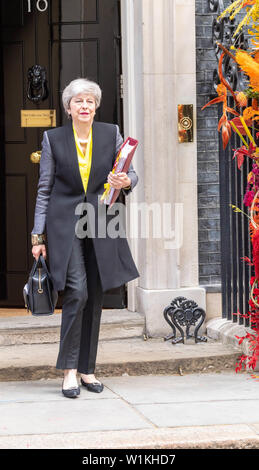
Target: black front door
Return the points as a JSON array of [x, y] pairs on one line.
[[67, 39]]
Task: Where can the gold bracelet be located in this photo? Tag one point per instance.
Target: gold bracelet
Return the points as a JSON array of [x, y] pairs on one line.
[[38, 239], [127, 187]]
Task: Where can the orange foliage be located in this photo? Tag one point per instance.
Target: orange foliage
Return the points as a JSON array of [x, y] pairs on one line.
[[250, 66]]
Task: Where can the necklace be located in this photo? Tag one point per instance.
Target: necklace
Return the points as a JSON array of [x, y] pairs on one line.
[[83, 141]]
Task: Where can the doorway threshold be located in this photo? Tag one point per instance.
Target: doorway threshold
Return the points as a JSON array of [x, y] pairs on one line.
[[17, 312]]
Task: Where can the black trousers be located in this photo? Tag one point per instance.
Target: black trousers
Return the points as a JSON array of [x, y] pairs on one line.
[[81, 310]]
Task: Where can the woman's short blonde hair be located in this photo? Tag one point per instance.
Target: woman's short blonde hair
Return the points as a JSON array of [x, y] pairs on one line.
[[81, 85]]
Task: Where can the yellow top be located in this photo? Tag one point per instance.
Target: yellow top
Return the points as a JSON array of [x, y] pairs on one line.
[[84, 160]]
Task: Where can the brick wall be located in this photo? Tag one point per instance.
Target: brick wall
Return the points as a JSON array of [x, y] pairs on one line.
[[207, 146]]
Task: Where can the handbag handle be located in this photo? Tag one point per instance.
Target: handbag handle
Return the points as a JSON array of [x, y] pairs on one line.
[[43, 262], [35, 265]]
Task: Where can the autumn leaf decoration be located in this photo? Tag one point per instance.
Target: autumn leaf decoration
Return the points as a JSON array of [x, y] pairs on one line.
[[250, 17], [224, 124], [241, 152], [245, 125], [250, 65]]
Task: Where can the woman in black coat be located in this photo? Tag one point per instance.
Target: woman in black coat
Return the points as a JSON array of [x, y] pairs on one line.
[[86, 257]]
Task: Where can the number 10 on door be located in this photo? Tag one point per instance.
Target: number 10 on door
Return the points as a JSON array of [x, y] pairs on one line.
[[41, 5]]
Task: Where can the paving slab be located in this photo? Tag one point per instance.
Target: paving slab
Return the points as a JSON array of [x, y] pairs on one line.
[[82, 415], [165, 412], [201, 413], [188, 389]]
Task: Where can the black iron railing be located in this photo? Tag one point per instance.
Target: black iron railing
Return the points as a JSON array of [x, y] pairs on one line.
[[235, 234], [235, 238]]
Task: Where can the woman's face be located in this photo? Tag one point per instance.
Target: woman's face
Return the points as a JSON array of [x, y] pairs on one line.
[[82, 108]]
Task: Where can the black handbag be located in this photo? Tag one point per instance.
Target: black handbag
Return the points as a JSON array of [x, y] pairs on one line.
[[39, 296]]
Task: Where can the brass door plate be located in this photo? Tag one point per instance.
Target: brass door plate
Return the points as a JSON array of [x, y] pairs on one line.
[[38, 118], [185, 123]]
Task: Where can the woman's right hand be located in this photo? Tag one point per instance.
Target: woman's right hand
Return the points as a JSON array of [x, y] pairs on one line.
[[37, 250]]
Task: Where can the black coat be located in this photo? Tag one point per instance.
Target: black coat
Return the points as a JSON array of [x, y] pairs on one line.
[[114, 259]]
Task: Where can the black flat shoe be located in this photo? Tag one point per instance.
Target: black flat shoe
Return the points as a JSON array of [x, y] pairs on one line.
[[72, 392], [93, 387]]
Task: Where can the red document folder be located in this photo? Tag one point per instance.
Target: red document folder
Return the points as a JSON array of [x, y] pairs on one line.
[[122, 163]]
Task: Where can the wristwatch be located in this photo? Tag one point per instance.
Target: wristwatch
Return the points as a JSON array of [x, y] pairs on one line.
[[38, 239]]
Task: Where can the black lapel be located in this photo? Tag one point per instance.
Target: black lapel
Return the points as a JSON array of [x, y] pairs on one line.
[[96, 140], [71, 155]]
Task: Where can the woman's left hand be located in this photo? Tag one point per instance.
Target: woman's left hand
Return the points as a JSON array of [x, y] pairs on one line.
[[119, 181]]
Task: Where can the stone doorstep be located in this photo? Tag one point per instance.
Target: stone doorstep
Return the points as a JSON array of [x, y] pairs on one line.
[[115, 324], [34, 330], [221, 329], [132, 356], [29, 347]]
